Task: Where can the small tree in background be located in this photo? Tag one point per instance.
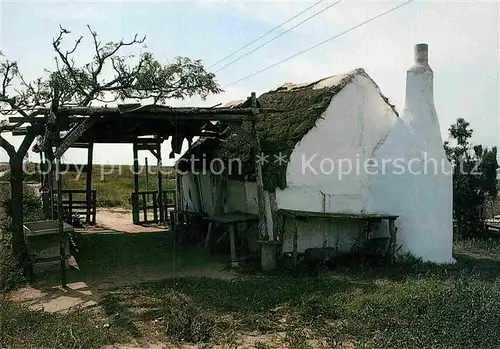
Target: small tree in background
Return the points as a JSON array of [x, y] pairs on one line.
[[474, 179]]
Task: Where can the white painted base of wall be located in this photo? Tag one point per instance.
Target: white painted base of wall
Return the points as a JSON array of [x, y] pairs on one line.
[[342, 234]]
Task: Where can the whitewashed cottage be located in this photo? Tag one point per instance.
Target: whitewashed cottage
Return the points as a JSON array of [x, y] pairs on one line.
[[347, 151]]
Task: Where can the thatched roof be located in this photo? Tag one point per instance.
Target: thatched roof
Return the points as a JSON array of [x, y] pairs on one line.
[[280, 132]]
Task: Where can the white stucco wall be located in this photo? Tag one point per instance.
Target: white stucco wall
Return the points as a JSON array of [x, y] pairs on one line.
[[354, 125], [399, 179]]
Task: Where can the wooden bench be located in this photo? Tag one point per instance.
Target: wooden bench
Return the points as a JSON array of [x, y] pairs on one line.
[[369, 218]]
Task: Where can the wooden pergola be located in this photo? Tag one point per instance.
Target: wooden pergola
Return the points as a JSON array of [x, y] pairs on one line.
[[144, 126]]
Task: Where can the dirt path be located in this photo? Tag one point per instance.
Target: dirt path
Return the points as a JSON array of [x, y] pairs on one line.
[[120, 219], [118, 253]]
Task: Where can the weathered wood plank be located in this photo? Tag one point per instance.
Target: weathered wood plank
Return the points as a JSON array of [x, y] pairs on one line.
[[73, 136], [88, 182], [232, 240], [260, 184], [392, 241], [160, 181], [295, 239], [244, 134]]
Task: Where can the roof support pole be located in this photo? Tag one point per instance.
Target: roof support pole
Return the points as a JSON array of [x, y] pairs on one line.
[[260, 185], [67, 142], [135, 196], [62, 235], [160, 183], [88, 184]]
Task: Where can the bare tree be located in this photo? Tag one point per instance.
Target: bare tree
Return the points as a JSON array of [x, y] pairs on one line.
[[108, 77]]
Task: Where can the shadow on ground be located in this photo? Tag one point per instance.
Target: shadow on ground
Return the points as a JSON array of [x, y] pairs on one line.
[[110, 259]]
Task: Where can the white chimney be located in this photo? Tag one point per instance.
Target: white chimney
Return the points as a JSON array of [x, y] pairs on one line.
[[419, 111], [426, 218]]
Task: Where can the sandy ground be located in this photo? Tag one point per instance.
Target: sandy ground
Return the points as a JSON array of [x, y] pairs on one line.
[[56, 300], [120, 219], [79, 295], [247, 341]]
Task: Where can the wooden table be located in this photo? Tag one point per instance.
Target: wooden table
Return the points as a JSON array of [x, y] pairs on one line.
[[231, 220], [190, 218], [368, 218]]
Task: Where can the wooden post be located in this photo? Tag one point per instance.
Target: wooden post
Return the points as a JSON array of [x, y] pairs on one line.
[[323, 203], [155, 208], [209, 233], [42, 170], [392, 244], [62, 235], [49, 155], [260, 185], [88, 184], [135, 196], [160, 186], [70, 203], [94, 206], [275, 216], [144, 206], [232, 233], [147, 172], [295, 238]]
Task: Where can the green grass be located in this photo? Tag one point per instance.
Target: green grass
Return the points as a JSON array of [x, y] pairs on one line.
[[421, 311], [115, 183], [116, 258], [412, 305], [24, 328]]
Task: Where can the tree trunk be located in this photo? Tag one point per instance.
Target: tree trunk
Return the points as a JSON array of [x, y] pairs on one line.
[[18, 243]]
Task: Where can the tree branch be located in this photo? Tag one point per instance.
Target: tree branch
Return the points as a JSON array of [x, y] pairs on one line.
[[9, 148]]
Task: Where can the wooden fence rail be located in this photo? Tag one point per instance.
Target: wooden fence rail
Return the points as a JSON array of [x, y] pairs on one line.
[[146, 204], [75, 202]]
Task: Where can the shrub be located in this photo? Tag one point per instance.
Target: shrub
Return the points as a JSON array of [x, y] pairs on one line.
[[11, 274], [185, 321], [474, 179]]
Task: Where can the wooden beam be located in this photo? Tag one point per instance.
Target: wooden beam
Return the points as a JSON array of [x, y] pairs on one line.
[[189, 117], [154, 109], [149, 110], [73, 136], [149, 146], [22, 131], [18, 119], [82, 145]]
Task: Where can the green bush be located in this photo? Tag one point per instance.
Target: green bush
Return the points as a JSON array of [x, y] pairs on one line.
[[11, 274], [32, 206]]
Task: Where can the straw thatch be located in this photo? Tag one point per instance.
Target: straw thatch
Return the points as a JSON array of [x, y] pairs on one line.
[[280, 132]]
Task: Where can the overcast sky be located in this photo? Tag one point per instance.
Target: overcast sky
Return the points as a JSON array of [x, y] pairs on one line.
[[463, 38]]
